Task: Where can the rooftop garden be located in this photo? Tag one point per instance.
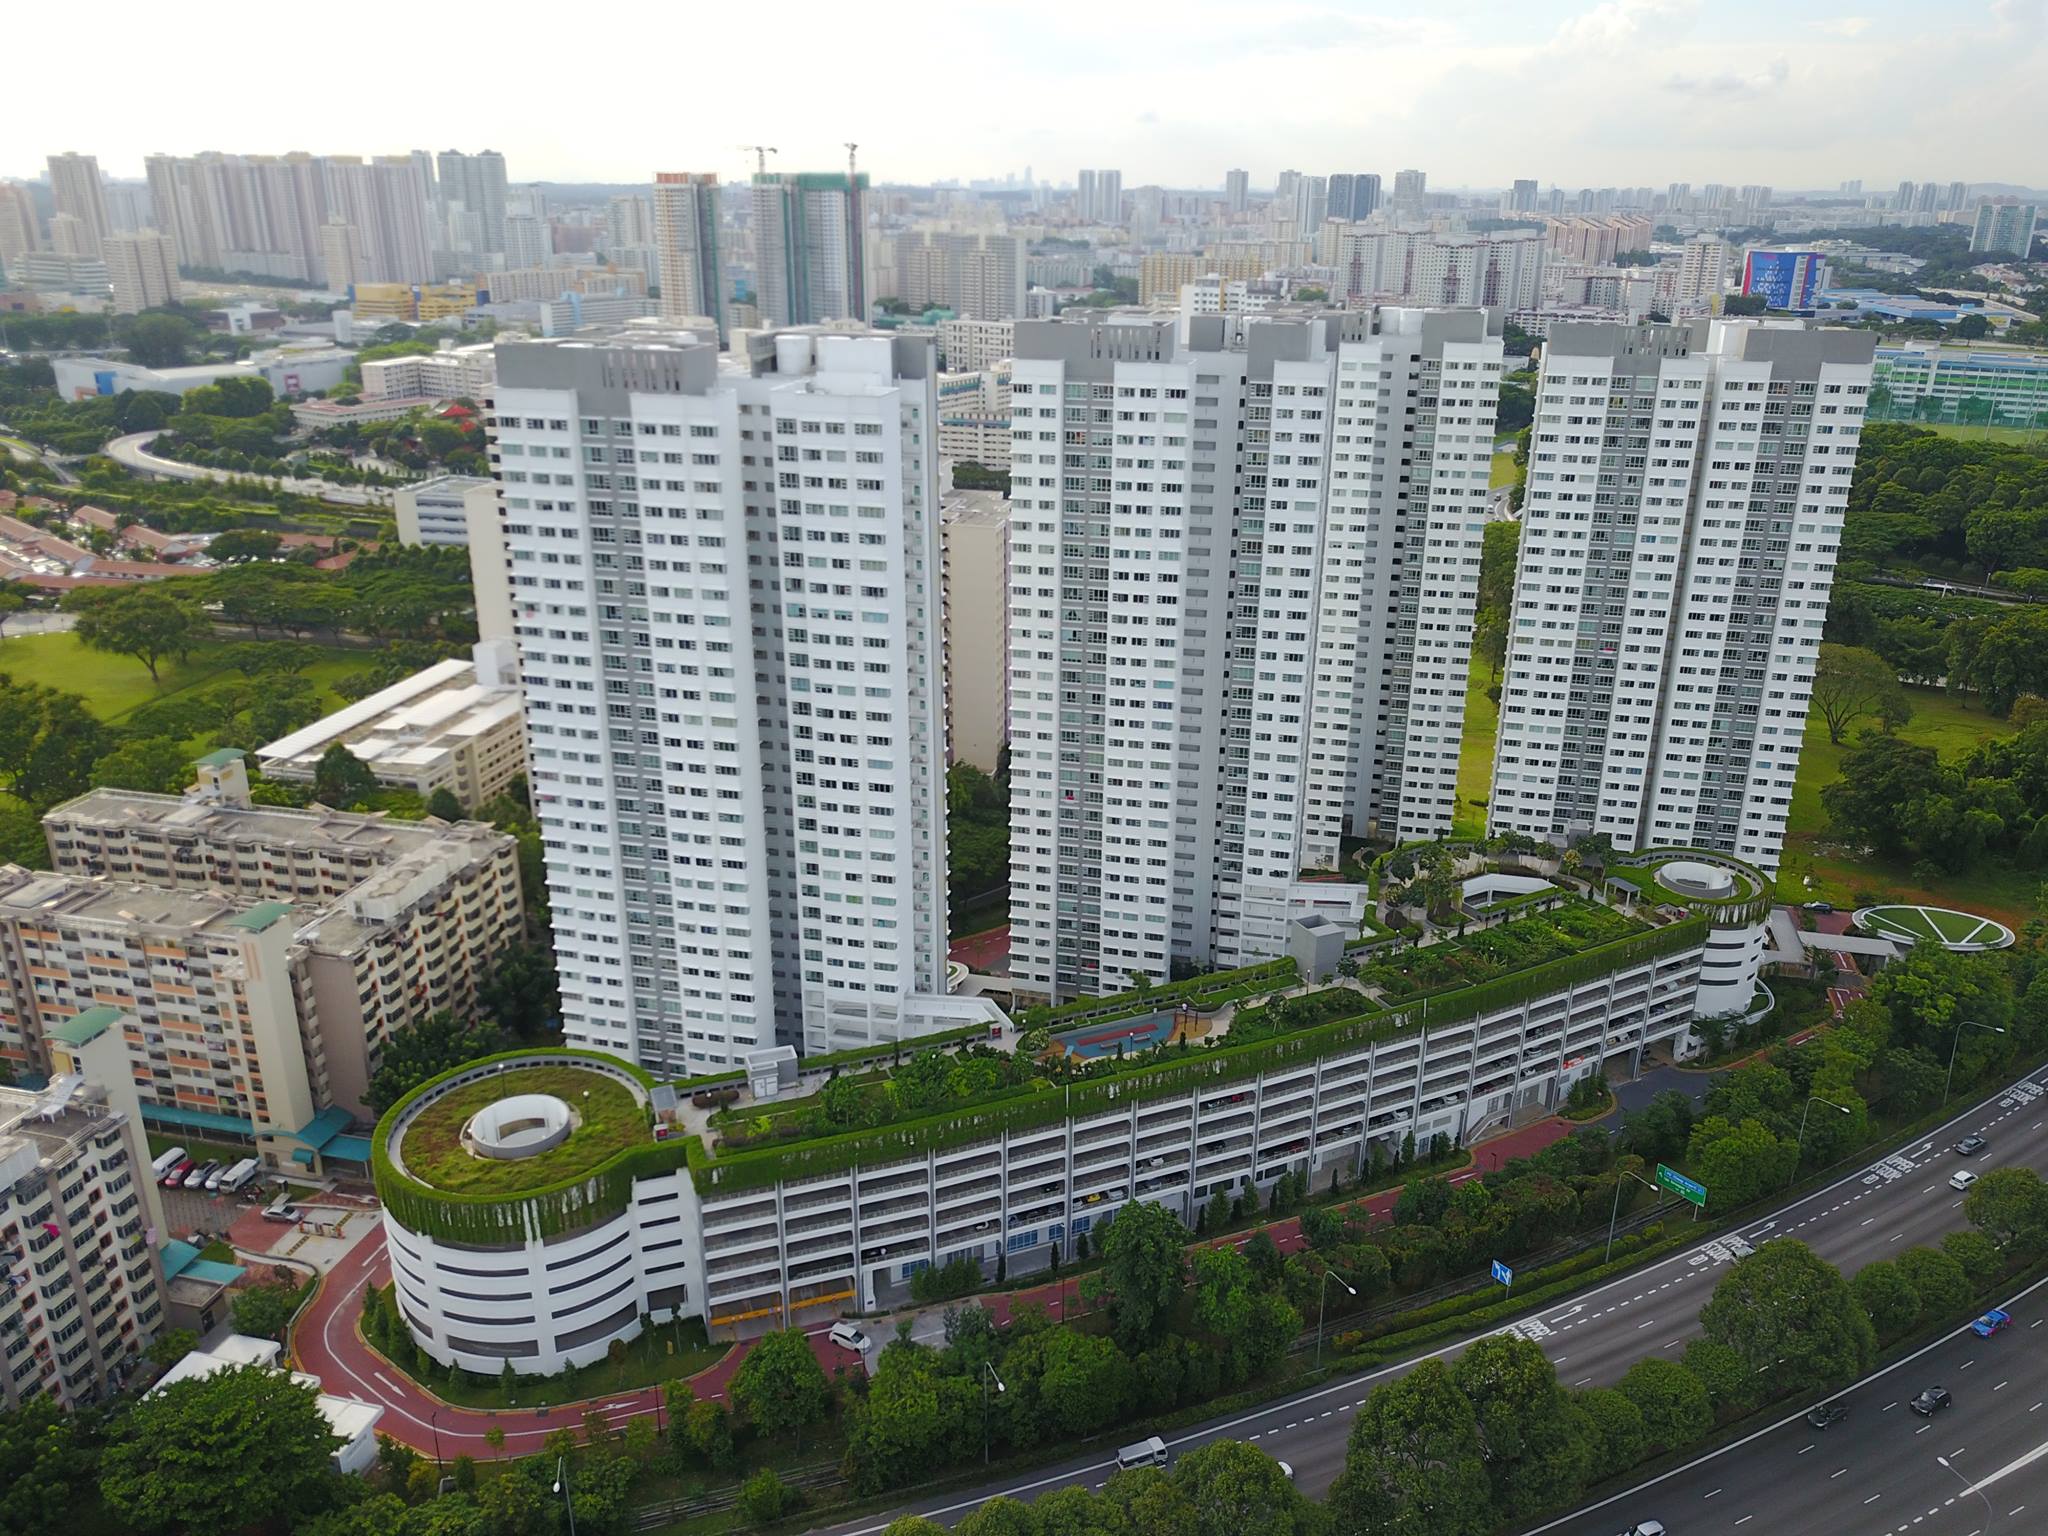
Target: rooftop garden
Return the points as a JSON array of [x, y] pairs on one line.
[[612, 1121], [1526, 942]]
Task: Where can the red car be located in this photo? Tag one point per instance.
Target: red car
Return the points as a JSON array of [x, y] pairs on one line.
[[175, 1175]]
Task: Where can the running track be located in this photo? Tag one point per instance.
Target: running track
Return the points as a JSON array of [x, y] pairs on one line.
[[325, 1341]]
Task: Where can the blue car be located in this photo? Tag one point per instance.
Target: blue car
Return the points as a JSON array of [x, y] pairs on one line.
[[1990, 1323]]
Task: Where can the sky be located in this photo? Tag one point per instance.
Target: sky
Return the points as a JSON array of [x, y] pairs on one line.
[[1792, 93]]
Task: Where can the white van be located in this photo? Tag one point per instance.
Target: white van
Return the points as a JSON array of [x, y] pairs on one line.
[[1146, 1453], [239, 1175], [166, 1161]]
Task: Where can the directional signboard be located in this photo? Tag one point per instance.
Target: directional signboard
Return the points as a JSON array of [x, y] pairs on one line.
[[1681, 1186], [1502, 1275]]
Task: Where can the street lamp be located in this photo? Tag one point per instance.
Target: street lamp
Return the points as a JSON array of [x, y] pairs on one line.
[[1614, 1215], [562, 1487], [1960, 1027], [1322, 1303], [990, 1371], [1989, 1512], [1799, 1151], [434, 1420]]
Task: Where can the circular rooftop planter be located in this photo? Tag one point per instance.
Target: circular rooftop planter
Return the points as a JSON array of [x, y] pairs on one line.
[[1962, 933]]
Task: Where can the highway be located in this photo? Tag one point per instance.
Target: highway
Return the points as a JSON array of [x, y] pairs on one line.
[[1875, 1473], [132, 453], [1594, 1337]]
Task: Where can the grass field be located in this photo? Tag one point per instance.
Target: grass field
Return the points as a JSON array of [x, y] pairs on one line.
[[1475, 755], [432, 1147], [1504, 471], [1938, 924], [2024, 435], [115, 685]]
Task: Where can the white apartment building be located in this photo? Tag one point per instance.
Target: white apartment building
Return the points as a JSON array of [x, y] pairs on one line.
[[1172, 504], [810, 247], [1701, 274], [452, 373], [969, 346], [143, 268], [686, 245], [76, 191], [1377, 260], [726, 581], [1684, 506], [974, 417], [81, 1290]]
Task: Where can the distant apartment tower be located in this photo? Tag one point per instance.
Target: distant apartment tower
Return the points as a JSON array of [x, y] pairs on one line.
[[2004, 224], [1684, 507], [1171, 587], [1353, 195], [1237, 189], [1411, 193], [20, 230], [143, 268], [972, 273], [686, 245], [974, 534], [76, 189], [526, 241], [1099, 196], [475, 184], [967, 345], [1521, 197], [1311, 202], [810, 242], [735, 688]]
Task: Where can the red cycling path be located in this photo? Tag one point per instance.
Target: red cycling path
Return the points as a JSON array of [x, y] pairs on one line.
[[326, 1343]]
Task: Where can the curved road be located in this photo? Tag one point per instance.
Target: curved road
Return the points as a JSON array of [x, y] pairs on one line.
[[1595, 1336], [132, 453]]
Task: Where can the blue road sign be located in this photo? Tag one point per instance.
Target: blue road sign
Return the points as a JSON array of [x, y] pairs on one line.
[[1502, 1274]]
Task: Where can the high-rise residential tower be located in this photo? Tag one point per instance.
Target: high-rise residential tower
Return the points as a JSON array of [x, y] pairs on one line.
[[810, 247], [144, 270], [1201, 624], [686, 244], [476, 183], [1237, 187], [1684, 508], [1353, 196], [76, 189], [734, 685]]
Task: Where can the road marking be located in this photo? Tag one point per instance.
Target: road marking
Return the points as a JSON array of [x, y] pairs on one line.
[[1873, 1498], [1710, 1495], [1999, 1388], [1923, 1429], [1806, 1447], [2011, 1512], [1646, 1323], [1888, 1407], [1745, 1519], [1966, 1365], [1584, 1379], [1837, 1473], [1867, 1221]]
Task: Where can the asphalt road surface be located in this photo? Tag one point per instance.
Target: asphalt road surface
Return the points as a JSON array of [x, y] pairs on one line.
[[1875, 1473], [1594, 1337]]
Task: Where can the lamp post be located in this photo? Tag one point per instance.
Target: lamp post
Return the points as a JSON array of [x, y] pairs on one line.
[[990, 1373], [434, 1421], [1962, 1025], [562, 1487], [1614, 1215], [1322, 1304], [1800, 1148], [1989, 1512]]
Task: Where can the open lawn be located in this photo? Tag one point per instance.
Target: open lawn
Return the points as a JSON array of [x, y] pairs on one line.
[[1938, 925], [115, 685], [1812, 869], [612, 1120], [1475, 754], [1504, 470], [2035, 436]]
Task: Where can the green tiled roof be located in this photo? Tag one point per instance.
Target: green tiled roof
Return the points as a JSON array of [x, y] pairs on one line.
[[260, 916], [222, 758], [85, 1027]]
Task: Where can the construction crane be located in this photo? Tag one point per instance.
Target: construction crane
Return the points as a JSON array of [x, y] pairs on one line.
[[761, 154], [850, 148]]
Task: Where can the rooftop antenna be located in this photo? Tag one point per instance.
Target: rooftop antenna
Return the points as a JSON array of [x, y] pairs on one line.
[[761, 154]]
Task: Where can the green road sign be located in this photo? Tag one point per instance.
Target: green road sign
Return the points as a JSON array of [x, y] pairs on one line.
[[1681, 1186]]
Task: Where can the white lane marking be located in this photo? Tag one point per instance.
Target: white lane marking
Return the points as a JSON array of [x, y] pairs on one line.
[[1873, 1498], [1837, 1473], [1710, 1495]]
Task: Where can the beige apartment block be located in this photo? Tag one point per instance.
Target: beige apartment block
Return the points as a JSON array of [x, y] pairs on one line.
[[974, 531]]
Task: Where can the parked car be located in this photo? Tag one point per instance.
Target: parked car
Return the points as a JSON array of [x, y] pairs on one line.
[[849, 1336], [175, 1175], [1962, 1180], [198, 1176], [1991, 1322], [1824, 1414], [281, 1213], [1930, 1402], [1817, 906], [165, 1161], [1971, 1145]]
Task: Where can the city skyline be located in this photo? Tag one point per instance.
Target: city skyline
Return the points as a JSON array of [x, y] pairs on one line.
[[1478, 98]]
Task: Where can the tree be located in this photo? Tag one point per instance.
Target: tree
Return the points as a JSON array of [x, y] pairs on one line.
[[11, 603], [46, 1457], [780, 1384], [1937, 1282], [1619, 1438], [1744, 304], [1731, 1386], [1539, 1448], [238, 1448], [1786, 1310], [1414, 1464], [159, 340], [1975, 1255], [427, 1049], [1887, 1299], [2010, 1206], [1738, 1162], [1145, 1268], [1881, 779], [765, 1497], [341, 779], [264, 1311], [1851, 684], [144, 622], [1674, 1403], [171, 1346], [1237, 1489], [442, 803], [155, 765]]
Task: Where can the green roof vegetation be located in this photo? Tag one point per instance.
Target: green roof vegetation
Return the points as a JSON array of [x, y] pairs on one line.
[[613, 1120]]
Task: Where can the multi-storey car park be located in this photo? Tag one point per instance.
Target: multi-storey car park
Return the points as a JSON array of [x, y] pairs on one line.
[[540, 1205]]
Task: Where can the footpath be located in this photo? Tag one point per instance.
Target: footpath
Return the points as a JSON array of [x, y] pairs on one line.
[[325, 1340]]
